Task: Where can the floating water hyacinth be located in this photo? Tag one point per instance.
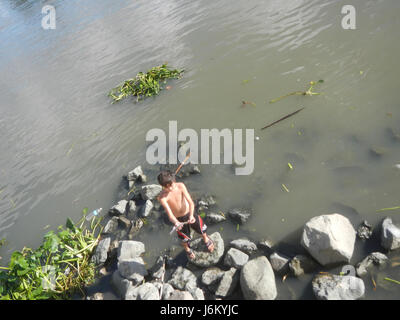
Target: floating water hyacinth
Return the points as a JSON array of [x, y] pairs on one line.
[[145, 84], [309, 92]]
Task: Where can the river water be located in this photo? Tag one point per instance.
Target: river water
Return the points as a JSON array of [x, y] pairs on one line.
[[64, 147]]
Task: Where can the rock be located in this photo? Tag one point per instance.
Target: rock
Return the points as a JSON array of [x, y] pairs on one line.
[[132, 269], [375, 258], [329, 239], [183, 279], [129, 249], [228, 283], [146, 209], [257, 280], [333, 287], [377, 151], [158, 269], [150, 191], [111, 226], [302, 264], [266, 244], [204, 258], [211, 277], [146, 291], [244, 245], [131, 212], [390, 235], [207, 201], [120, 284], [196, 293], [119, 209], [137, 175], [364, 231], [239, 215], [137, 224], [213, 218], [180, 295], [279, 262], [100, 254], [124, 222], [235, 258], [167, 291], [97, 296]]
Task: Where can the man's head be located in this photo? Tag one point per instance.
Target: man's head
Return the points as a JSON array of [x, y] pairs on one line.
[[166, 179]]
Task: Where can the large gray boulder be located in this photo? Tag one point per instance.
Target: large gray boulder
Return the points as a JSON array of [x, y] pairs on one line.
[[133, 269], [390, 235], [146, 291], [204, 258], [150, 191], [334, 287], [257, 280], [329, 238], [129, 249], [235, 258], [183, 279]]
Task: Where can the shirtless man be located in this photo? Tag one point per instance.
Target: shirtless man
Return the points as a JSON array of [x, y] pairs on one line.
[[179, 207]]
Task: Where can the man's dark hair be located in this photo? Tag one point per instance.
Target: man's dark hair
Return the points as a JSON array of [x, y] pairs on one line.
[[165, 178]]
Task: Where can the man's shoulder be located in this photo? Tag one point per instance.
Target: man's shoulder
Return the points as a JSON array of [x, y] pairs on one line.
[[162, 195]]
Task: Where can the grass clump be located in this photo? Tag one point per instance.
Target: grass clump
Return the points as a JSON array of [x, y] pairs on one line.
[[145, 84], [60, 267]]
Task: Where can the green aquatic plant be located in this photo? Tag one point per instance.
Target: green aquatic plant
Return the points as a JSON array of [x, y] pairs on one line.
[[60, 267], [309, 92], [388, 209], [145, 84], [392, 280]]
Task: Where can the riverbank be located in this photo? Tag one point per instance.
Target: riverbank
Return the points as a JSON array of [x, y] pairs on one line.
[[321, 255]]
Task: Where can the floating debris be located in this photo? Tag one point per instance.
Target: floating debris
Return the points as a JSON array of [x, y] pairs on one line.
[[245, 103], [285, 117], [284, 187], [388, 209], [392, 280], [309, 92], [290, 166]]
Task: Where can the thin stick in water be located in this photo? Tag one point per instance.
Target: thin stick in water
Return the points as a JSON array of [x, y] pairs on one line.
[[285, 117]]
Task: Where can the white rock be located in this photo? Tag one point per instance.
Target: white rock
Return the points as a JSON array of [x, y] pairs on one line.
[[329, 238], [390, 235], [257, 280]]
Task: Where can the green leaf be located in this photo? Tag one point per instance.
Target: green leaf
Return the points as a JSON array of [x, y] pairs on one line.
[[202, 214], [70, 225], [85, 211]]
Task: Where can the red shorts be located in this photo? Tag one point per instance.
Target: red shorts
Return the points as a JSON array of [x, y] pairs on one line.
[[199, 226]]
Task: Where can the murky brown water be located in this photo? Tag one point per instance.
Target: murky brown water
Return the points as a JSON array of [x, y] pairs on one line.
[[65, 147]]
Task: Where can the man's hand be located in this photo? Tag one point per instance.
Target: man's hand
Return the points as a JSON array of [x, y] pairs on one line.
[[178, 225], [192, 219]]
